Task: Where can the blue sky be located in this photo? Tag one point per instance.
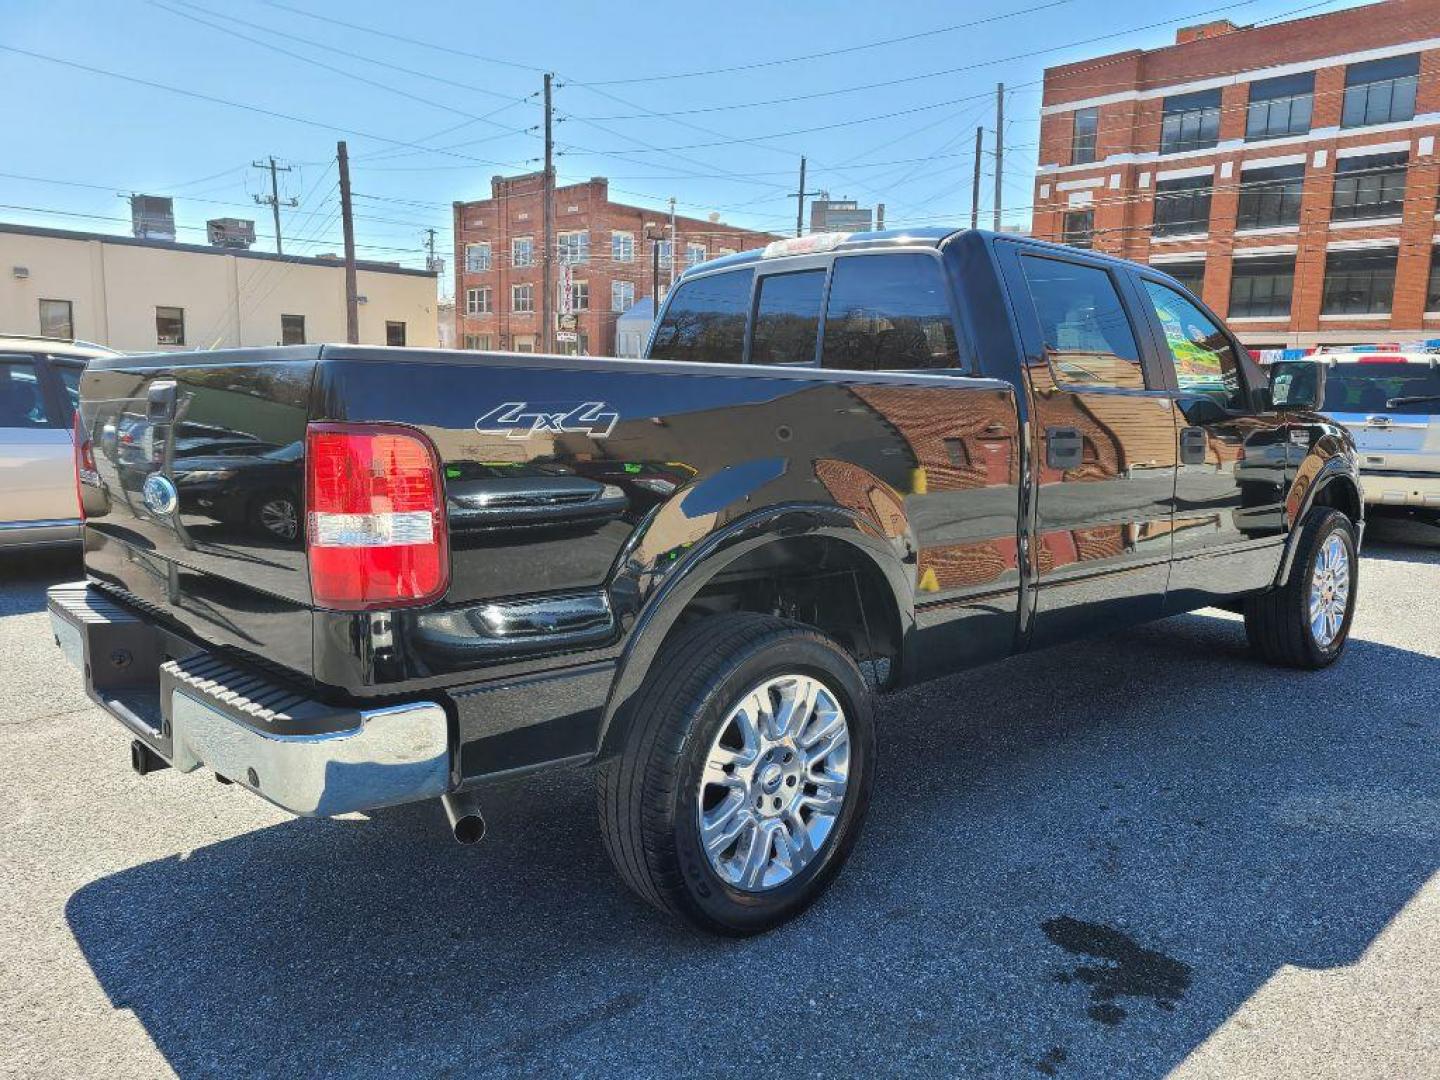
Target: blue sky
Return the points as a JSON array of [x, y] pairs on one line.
[[467, 79]]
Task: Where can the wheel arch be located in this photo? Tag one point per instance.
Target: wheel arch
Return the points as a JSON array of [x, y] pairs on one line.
[[763, 558], [1324, 480]]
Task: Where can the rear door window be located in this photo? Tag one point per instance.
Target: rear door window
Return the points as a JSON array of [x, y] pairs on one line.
[[705, 320], [1088, 337], [22, 401], [1364, 387], [787, 318], [888, 313]]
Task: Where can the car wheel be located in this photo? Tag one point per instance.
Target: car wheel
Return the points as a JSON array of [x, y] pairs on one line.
[[744, 776], [1306, 622], [277, 515]]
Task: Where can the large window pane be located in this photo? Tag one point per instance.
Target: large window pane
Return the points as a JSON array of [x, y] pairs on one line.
[[1359, 282], [888, 313], [1189, 274], [1088, 337], [1190, 122], [1079, 228], [705, 320], [787, 318], [57, 319], [22, 405], [1183, 206], [1270, 198], [1085, 135], [1204, 358], [1280, 106], [169, 326], [1432, 292], [1261, 288], [1370, 187], [1380, 91]]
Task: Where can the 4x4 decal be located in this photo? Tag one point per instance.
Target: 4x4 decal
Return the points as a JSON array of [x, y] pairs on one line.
[[522, 419]]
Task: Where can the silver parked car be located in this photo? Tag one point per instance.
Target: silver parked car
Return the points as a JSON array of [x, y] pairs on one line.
[[1390, 401], [39, 386]]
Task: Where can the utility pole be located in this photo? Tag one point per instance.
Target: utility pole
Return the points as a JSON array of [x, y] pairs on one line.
[[273, 200], [547, 301], [655, 276], [347, 219], [801, 194], [999, 149], [975, 183], [674, 255]]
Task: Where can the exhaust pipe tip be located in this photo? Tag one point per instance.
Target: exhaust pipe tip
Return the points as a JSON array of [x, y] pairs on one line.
[[462, 810], [144, 760]]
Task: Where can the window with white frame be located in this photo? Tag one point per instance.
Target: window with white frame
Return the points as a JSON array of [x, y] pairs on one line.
[[580, 296], [480, 342], [477, 301], [694, 254], [477, 257], [622, 247], [522, 251], [622, 295], [573, 247], [719, 252], [522, 299], [665, 250]]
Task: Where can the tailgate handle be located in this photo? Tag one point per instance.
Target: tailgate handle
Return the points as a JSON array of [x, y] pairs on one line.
[[1064, 448], [160, 398]]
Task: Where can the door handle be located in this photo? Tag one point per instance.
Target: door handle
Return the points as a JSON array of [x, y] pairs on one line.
[[1194, 443], [1064, 448]]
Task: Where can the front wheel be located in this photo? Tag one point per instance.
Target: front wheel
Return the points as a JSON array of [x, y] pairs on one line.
[[745, 774], [1306, 622]]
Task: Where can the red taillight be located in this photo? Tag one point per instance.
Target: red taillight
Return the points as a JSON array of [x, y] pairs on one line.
[[375, 517], [84, 464]]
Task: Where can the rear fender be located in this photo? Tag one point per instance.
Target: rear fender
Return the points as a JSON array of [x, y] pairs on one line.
[[1329, 476]]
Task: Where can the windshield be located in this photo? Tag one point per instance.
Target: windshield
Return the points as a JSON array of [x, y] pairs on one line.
[[1367, 388]]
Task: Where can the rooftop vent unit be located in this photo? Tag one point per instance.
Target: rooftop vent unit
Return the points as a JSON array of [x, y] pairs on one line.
[[229, 232], [152, 217]]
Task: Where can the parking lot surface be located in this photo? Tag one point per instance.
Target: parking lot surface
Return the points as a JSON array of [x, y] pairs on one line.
[[1140, 855]]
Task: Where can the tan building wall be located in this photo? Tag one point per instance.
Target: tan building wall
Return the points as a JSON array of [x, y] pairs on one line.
[[230, 298]]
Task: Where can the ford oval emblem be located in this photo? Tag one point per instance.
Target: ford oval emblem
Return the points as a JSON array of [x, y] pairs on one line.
[[160, 495]]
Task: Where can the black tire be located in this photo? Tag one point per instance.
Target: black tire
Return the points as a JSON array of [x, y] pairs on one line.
[[648, 793], [1277, 623], [258, 517]]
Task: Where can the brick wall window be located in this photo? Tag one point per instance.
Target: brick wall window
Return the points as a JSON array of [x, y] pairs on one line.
[[1370, 187], [694, 254], [1432, 291], [622, 247], [522, 299], [1190, 122], [622, 295], [665, 249], [477, 301], [573, 247], [477, 258], [1079, 228], [580, 296], [1084, 135], [1261, 287], [1190, 274], [482, 342], [1270, 198], [1380, 91], [522, 251], [1183, 206], [1359, 282], [1280, 106]]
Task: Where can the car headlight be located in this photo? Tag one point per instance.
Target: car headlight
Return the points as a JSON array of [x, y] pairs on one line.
[[656, 484], [610, 491]]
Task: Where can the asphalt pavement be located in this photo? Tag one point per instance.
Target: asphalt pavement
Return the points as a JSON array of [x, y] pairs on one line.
[[1130, 857]]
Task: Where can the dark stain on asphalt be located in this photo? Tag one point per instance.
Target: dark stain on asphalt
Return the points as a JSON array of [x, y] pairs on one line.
[[1127, 968], [1051, 1062]]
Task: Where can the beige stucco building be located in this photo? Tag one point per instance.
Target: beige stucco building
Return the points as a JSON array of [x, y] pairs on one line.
[[142, 295]]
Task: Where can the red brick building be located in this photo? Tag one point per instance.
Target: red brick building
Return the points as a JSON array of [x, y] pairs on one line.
[[1287, 172], [606, 245]]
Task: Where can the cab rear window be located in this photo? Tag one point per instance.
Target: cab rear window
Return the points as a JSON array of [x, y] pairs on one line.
[[1414, 389]]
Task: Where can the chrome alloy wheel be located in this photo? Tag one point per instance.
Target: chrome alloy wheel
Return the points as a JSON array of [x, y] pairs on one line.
[[774, 782], [1329, 591], [279, 518]]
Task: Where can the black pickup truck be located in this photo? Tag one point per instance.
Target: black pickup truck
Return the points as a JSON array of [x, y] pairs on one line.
[[848, 464]]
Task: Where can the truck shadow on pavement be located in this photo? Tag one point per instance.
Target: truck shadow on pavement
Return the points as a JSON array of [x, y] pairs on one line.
[[1077, 863]]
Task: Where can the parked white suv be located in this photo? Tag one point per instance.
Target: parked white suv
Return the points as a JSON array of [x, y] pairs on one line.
[[1390, 401], [39, 388]]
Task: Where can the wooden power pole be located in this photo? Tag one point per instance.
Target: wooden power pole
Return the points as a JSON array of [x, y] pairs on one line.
[[975, 182], [347, 219], [999, 150], [547, 301]]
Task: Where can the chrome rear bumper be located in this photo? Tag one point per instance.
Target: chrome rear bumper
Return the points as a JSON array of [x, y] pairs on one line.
[[195, 710]]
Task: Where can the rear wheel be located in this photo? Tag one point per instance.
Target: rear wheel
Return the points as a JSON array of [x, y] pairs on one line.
[[1306, 622], [277, 515], [745, 774]]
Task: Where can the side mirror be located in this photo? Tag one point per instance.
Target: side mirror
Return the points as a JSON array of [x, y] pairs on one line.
[[1297, 385]]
